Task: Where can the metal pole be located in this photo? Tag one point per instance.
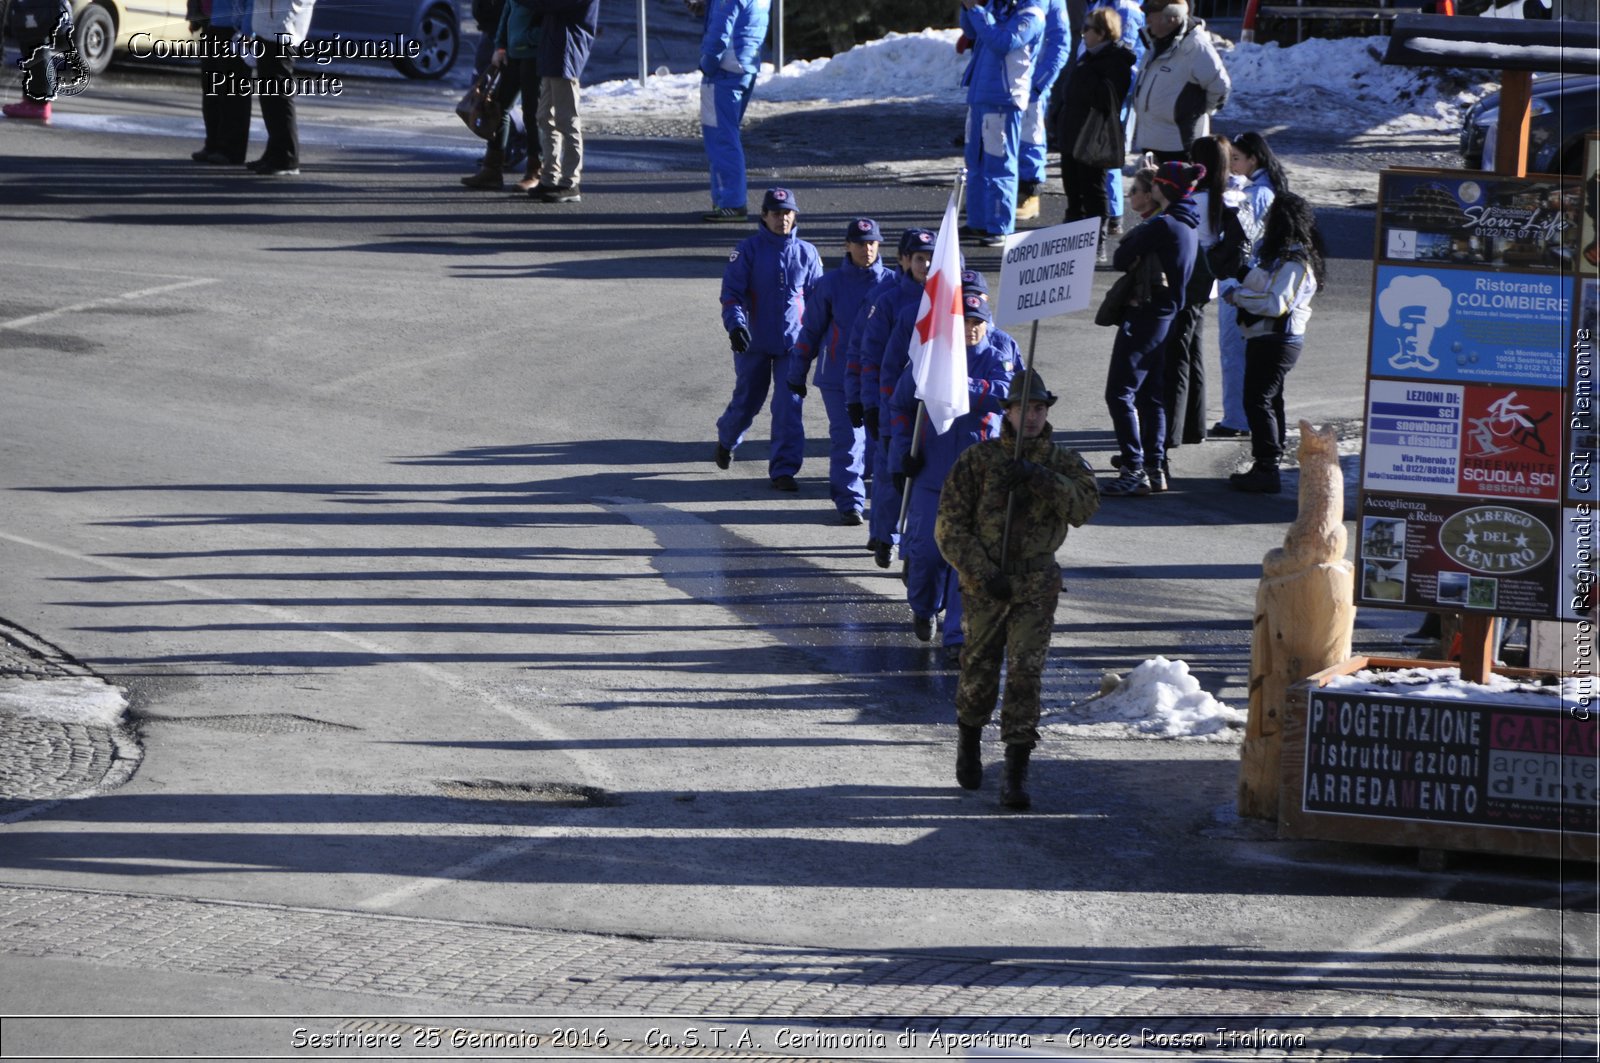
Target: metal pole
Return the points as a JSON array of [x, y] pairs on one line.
[[644, 57], [1027, 381]]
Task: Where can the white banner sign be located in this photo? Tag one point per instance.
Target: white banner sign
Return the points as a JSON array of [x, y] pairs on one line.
[[1045, 272]]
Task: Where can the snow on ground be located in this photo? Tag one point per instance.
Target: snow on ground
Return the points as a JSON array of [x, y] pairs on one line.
[[1574, 693], [1308, 79], [1158, 699], [80, 700]]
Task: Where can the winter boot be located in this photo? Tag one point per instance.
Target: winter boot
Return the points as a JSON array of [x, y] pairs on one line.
[[1260, 479], [1027, 200], [488, 175], [969, 765], [1012, 794]]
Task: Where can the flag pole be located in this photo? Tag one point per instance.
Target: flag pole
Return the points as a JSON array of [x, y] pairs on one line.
[[1022, 418], [916, 431]]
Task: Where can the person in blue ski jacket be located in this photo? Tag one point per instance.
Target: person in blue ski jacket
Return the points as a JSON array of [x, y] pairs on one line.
[[1054, 51], [1136, 379], [764, 289], [999, 83], [931, 583], [858, 330], [873, 352], [830, 311], [730, 58]]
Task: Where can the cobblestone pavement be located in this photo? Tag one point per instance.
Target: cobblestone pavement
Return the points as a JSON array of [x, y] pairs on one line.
[[43, 760], [560, 973]]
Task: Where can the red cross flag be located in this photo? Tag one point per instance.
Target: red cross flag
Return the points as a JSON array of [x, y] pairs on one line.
[[939, 346]]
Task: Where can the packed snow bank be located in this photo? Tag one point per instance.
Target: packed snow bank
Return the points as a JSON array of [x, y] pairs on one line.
[[1158, 699], [1576, 692], [1340, 80], [81, 700]]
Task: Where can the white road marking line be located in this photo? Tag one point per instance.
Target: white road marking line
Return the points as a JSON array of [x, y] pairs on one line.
[[110, 300]]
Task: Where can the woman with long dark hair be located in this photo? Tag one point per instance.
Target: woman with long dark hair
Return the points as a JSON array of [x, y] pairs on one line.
[[1274, 304], [1256, 172]]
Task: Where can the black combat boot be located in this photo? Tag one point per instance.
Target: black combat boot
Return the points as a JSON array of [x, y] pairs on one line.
[[1012, 794], [969, 766]]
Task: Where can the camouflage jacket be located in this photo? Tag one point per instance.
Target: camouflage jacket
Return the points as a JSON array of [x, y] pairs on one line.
[[972, 507]]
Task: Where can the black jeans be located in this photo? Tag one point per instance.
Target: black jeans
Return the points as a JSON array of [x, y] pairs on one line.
[[274, 80], [1186, 378], [1267, 361], [519, 77], [224, 106], [1086, 190]]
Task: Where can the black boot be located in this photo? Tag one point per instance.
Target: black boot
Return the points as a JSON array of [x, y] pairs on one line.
[[1012, 794], [969, 766], [489, 175]]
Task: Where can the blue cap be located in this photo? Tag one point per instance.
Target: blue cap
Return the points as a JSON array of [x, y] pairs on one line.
[[917, 240], [975, 305], [862, 231], [779, 199], [972, 280]]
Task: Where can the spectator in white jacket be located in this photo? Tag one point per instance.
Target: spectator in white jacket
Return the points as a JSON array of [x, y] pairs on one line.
[[1182, 82], [281, 26]]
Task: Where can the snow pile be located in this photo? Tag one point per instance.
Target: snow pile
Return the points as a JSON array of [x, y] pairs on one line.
[[1158, 699], [80, 700], [1573, 693], [1340, 80]]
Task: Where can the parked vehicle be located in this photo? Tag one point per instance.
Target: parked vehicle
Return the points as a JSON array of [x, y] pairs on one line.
[[1562, 114], [427, 31]]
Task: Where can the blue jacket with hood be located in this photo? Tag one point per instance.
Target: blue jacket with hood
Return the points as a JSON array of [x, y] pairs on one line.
[[830, 313], [764, 287]]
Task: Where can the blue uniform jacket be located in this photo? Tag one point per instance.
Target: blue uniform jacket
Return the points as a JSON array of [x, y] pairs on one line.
[[989, 373], [1055, 49], [858, 334], [830, 311], [878, 338], [1000, 73], [1173, 237], [764, 289], [731, 46]]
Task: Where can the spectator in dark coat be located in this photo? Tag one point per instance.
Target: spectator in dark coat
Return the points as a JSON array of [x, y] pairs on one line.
[[1098, 83], [567, 36]]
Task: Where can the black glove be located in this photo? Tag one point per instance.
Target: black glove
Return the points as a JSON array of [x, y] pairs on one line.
[[998, 587], [739, 340], [1020, 473], [857, 414], [899, 482], [798, 389], [871, 421], [912, 464]]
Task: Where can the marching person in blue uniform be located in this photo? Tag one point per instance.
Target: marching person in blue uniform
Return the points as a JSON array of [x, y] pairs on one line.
[[764, 289], [830, 312], [875, 350], [931, 584], [999, 83], [730, 58]]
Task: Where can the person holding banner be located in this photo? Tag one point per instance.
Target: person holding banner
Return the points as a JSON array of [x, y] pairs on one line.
[[1009, 34], [922, 457], [1135, 381], [1004, 512], [830, 310], [764, 288]]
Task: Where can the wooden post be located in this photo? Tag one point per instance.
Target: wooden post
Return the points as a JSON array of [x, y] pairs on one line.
[[1477, 647], [1305, 613]]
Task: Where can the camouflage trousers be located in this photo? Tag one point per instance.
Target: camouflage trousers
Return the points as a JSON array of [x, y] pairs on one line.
[[1016, 632]]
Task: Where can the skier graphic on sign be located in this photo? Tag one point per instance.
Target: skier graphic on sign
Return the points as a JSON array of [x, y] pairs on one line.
[[1506, 421], [1416, 305]]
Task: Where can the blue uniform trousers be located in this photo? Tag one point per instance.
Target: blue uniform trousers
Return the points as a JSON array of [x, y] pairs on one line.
[[994, 141], [1136, 389], [931, 583], [847, 454], [754, 376], [884, 520], [1034, 154], [722, 105]]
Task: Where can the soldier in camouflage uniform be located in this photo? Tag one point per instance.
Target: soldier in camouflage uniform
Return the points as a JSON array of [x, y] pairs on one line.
[[1010, 606]]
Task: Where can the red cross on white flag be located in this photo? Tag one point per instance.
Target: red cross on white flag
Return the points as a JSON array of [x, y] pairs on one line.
[[939, 346]]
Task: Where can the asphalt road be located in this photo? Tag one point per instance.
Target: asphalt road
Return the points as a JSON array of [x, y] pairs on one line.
[[391, 504]]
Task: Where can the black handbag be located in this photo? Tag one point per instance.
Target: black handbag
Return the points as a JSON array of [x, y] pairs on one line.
[[479, 108], [1100, 141], [1123, 290]]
